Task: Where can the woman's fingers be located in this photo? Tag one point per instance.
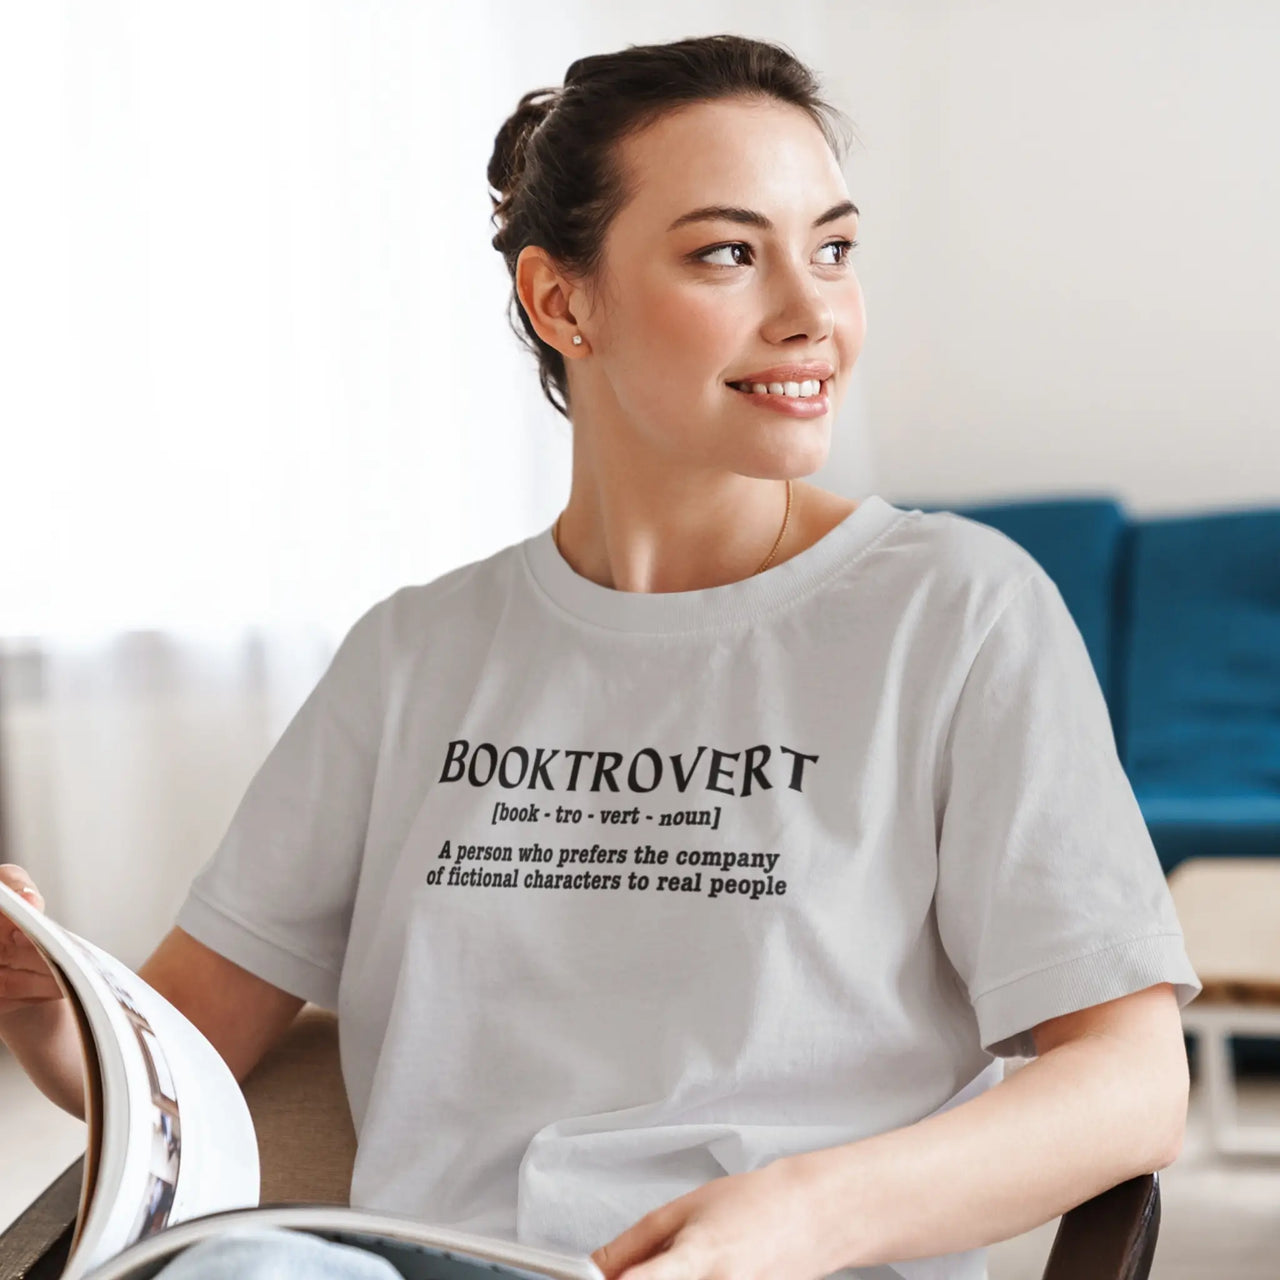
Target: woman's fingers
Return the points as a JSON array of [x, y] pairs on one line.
[[19, 952], [26, 984], [26, 989], [25, 978]]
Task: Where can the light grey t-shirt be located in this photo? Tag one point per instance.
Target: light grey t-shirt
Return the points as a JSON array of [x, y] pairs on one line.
[[617, 892]]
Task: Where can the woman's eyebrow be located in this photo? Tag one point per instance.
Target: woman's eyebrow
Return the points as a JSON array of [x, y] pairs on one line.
[[750, 218]]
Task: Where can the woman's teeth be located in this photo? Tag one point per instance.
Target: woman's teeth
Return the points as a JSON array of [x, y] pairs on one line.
[[802, 389]]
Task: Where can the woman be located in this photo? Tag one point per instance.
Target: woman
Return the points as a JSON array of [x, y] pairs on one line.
[[682, 874]]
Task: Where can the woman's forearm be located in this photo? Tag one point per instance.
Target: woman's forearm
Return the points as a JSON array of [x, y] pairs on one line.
[[1069, 1124]]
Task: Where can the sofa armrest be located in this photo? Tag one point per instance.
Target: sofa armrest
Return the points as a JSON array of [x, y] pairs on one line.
[[36, 1243]]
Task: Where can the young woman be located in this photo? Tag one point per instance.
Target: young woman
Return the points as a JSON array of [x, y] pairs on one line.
[[682, 874]]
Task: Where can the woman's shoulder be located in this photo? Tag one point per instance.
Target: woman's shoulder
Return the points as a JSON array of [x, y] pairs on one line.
[[952, 550], [950, 573], [976, 552]]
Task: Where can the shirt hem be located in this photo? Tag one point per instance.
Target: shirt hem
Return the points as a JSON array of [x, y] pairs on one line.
[[239, 942], [1007, 1013]]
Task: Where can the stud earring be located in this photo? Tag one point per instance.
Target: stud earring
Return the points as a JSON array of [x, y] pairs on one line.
[[577, 339]]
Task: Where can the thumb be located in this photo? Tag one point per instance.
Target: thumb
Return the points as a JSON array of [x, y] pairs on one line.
[[652, 1234], [18, 880]]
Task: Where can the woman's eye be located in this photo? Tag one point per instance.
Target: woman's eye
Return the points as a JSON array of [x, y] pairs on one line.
[[847, 245], [706, 255]]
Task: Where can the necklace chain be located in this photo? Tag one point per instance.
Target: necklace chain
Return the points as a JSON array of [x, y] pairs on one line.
[[555, 533]]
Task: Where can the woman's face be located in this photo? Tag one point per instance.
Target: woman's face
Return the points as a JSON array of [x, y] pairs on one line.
[[683, 310]]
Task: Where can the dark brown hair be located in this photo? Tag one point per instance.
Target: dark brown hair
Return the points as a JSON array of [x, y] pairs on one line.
[[554, 162]]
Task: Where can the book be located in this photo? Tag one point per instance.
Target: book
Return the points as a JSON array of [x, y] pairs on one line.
[[171, 1156]]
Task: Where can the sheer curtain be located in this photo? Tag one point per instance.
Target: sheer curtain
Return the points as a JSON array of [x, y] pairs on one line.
[[259, 376]]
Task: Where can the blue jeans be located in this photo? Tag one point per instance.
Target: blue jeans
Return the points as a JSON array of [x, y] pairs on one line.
[[273, 1253]]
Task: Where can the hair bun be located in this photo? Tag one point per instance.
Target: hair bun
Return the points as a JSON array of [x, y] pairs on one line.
[[510, 147]]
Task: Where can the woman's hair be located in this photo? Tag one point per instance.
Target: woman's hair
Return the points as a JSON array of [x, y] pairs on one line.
[[555, 160]]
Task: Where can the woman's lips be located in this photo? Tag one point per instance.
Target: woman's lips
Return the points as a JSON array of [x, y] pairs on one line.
[[796, 406]]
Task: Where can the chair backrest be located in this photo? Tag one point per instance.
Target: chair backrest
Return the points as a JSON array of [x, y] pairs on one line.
[[1110, 1237], [296, 1095]]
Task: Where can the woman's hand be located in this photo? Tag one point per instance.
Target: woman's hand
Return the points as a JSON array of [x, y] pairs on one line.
[[25, 979], [746, 1226]]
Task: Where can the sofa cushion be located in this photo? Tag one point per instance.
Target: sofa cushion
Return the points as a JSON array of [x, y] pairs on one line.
[[1199, 685]]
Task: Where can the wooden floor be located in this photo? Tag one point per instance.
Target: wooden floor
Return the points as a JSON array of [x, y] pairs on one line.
[[1220, 1219]]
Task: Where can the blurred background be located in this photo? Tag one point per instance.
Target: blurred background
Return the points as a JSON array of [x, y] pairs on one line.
[[257, 371]]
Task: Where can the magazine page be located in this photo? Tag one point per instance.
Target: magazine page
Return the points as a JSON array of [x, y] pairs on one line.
[[92, 1079], [171, 1136], [419, 1250], [92, 1082], [117, 1177], [205, 1151]]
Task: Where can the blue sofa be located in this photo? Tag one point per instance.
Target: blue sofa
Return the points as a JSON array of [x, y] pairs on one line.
[[1181, 616]]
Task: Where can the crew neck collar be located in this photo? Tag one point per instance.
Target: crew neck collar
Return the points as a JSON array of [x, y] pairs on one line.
[[733, 604]]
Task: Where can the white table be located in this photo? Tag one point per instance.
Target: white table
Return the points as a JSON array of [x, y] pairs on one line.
[[1229, 909]]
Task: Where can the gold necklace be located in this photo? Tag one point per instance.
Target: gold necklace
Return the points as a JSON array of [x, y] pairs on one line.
[[555, 533]]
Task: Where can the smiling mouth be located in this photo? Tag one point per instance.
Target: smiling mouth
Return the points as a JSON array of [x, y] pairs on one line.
[[824, 388]]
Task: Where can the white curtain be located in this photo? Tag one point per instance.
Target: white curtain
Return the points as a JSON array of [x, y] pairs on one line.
[[258, 376]]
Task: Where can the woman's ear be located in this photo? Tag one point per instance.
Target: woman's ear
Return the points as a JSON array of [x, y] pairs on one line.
[[544, 292]]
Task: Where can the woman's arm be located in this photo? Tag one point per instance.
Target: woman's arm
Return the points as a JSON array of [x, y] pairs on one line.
[[1105, 1100]]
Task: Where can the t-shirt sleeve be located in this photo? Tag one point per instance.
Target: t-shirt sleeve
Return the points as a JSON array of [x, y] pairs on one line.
[[1050, 895], [276, 895]]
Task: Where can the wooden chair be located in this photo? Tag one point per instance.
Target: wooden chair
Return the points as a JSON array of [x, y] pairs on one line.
[[307, 1144]]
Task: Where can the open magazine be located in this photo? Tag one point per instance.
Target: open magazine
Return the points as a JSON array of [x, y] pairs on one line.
[[171, 1156]]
